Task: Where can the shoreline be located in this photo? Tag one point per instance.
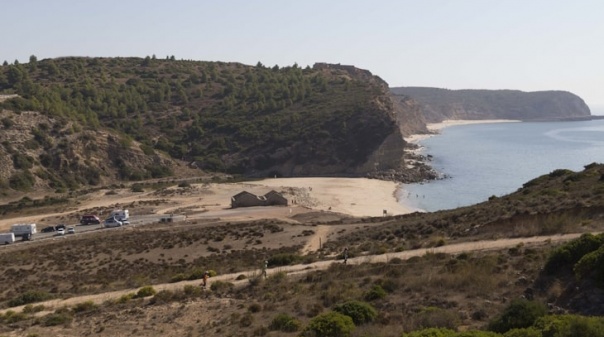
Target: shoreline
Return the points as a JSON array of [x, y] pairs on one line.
[[436, 128]]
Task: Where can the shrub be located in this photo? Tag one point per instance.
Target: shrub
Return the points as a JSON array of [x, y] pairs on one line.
[[30, 309], [591, 264], [254, 308], [286, 323], [145, 292], [13, 317], [178, 277], [125, 298], [57, 318], [570, 326], [375, 293], [432, 317], [360, 312], [571, 252], [221, 286], [284, 259], [431, 332], [331, 324], [526, 332], [31, 296], [85, 307], [137, 188], [519, 314]]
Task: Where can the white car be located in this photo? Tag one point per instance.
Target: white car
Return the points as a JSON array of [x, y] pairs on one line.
[[60, 232], [112, 222], [70, 230]]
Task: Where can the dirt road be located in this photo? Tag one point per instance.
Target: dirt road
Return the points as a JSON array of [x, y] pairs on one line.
[[320, 265]]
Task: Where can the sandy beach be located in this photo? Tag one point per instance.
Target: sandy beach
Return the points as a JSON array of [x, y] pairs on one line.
[[435, 128], [353, 196]]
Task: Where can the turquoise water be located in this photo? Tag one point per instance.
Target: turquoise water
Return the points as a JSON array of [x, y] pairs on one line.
[[483, 160]]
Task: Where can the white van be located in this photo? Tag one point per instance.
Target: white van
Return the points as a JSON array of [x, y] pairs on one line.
[[6, 238], [120, 214]]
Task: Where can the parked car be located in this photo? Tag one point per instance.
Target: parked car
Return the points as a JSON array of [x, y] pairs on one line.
[[70, 230], [48, 229], [60, 226], [112, 222], [90, 219], [60, 232]]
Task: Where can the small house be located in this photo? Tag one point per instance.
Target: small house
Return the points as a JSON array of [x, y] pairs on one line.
[[247, 199]]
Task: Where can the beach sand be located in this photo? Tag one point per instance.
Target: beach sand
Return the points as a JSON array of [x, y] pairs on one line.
[[353, 196], [435, 128]]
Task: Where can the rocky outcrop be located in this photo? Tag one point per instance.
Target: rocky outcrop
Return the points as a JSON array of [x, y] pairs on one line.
[[441, 104]]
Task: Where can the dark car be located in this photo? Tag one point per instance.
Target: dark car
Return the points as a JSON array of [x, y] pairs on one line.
[[48, 229], [90, 219], [60, 226]]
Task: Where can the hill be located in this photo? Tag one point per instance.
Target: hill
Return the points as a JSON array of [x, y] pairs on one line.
[[440, 104], [466, 290], [231, 118]]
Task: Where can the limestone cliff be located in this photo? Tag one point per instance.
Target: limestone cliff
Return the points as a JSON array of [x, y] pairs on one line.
[[440, 104]]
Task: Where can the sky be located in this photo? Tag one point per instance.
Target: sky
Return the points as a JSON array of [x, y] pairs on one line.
[[527, 45]]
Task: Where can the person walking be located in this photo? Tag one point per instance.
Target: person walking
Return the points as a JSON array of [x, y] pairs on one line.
[[205, 279], [264, 267], [345, 255]]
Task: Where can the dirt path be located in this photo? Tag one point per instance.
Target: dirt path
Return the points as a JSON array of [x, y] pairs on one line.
[[320, 265], [317, 239]]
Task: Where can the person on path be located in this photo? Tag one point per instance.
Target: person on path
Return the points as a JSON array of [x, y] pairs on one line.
[[345, 255], [264, 267], [205, 279]]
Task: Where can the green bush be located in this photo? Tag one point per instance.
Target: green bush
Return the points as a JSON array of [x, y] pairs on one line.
[[360, 312], [85, 307], [145, 292], [31, 296], [519, 314], [30, 309], [284, 259], [178, 277], [441, 332], [570, 253], [375, 293], [57, 318], [525, 332], [433, 317], [571, 326], [286, 323], [331, 324], [221, 286], [13, 317], [591, 265], [431, 332]]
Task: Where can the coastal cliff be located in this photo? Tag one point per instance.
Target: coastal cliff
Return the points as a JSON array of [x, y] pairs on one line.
[[441, 104]]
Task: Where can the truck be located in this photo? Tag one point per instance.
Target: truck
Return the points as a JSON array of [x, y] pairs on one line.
[[120, 215], [6, 238], [24, 231]]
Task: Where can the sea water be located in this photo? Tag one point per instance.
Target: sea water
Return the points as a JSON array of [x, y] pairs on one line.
[[484, 160]]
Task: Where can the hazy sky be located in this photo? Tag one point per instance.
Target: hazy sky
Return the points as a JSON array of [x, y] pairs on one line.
[[457, 44]]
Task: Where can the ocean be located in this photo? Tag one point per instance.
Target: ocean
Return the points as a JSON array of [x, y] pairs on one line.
[[484, 160]]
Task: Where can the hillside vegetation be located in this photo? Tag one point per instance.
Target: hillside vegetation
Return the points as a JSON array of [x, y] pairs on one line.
[[220, 117], [541, 289], [440, 104]]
